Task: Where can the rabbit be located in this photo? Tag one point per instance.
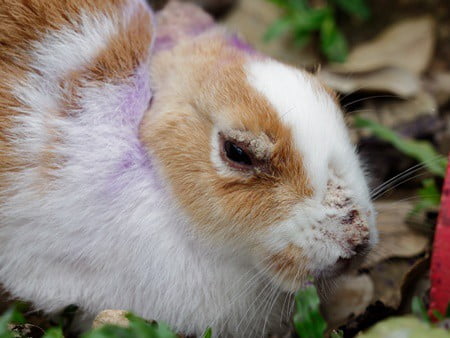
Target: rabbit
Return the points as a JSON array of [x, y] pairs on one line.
[[157, 163]]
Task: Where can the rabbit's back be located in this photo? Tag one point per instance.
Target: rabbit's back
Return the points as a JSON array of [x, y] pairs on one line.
[[74, 87]]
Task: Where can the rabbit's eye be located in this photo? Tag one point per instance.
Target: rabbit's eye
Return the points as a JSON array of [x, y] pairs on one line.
[[236, 154]]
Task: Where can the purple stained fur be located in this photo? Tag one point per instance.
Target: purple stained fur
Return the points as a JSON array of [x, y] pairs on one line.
[[168, 40], [200, 27], [135, 163], [136, 159], [136, 98], [163, 43], [182, 22], [238, 43]]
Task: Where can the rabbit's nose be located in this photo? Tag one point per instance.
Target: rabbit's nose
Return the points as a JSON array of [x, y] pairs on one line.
[[361, 249]]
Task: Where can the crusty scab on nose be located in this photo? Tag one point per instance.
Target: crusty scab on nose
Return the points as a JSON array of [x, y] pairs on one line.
[[353, 223], [350, 217], [335, 196], [357, 232]]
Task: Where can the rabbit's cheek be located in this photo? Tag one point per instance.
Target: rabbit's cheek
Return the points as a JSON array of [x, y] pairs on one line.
[[289, 267]]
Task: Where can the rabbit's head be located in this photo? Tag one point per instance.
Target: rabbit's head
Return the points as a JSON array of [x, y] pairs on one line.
[[258, 156]]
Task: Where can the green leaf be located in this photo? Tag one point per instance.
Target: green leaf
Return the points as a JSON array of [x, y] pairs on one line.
[[429, 197], [54, 332], [280, 3], [291, 5], [422, 151], [308, 321], [163, 331], [208, 333], [144, 329], [109, 331], [419, 309], [278, 28], [439, 316], [301, 23], [10, 316], [332, 41], [337, 334], [301, 38], [358, 8], [298, 5], [310, 20]]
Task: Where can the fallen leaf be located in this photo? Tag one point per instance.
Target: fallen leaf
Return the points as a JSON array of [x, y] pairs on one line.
[[416, 284], [439, 85], [404, 327], [443, 137], [408, 45], [397, 81], [374, 313], [396, 238], [387, 278], [397, 112], [350, 298]]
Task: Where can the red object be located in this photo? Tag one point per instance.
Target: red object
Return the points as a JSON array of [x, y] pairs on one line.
[[440, 260]]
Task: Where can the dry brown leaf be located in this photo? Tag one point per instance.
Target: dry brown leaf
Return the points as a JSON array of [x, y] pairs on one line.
[[397, 112], [352, 296], [396, 238], [443, 138], [416, 283], [439, 85], [6, 300], [408, 44], [397, 81], [113, 317], [388, 278]]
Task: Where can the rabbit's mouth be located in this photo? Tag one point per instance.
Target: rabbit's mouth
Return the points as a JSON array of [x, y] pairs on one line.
[[290, 269], [334, 246]]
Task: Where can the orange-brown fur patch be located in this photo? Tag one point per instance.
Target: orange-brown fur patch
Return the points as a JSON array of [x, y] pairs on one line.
[[126, 50], [289, 264], [25, 21], [211, 84]]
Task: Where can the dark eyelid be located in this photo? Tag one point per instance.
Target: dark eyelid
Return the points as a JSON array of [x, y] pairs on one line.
[[257, 165]]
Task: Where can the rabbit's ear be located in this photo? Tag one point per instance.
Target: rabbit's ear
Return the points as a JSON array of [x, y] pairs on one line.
[[179, 22], [55, 56]]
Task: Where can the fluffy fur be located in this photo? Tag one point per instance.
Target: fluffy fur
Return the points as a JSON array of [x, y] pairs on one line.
[[114, 188]]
